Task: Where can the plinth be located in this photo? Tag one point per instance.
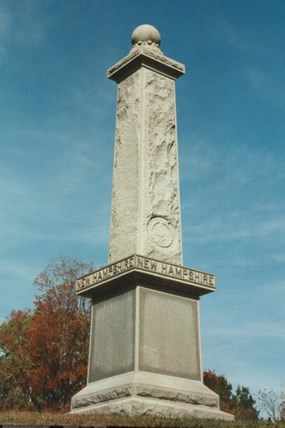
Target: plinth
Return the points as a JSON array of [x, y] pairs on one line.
[[145, 341]]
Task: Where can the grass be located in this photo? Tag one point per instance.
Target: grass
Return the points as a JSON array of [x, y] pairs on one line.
[[33, 418]]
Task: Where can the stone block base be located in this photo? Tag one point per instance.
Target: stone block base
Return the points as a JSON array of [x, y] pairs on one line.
[[138, 406], [143, 393]]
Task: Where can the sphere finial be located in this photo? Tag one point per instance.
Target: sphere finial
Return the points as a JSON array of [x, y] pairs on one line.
[[146, 33]]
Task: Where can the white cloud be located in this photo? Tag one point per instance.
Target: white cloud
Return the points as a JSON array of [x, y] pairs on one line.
[[209, 159], [251, 330], [237, 225], [260, 58], [268, 84], [86, 94], [223, 201], [244, 38], [32, 31], [256, 77], [278, 257], [16, 269]]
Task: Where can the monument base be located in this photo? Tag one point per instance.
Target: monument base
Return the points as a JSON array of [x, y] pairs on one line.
[[143, 393]]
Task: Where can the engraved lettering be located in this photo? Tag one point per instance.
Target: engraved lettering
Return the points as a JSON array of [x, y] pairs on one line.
[[129, 262], [164, 268], [178, 272], [140, 262], [146, 264]]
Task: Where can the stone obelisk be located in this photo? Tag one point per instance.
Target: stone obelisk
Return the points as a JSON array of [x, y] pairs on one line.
[[145, 355], [145, 201]]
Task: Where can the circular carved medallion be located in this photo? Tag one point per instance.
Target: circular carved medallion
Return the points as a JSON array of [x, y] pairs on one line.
[[161, 232]]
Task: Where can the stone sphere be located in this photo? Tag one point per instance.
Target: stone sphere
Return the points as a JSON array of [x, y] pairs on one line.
[[146, 33]]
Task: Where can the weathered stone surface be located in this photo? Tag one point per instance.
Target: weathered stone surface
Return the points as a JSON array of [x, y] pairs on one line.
[[189, 281], [145, 53], [158, 319], [146, 385], [134, 406], [164, 319], [112, 336], [92, 398], [175, 395], [145, 33], [161, 207], [145, 201]]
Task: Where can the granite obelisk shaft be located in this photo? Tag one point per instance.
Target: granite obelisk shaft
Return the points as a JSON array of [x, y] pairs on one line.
[[145, 201]]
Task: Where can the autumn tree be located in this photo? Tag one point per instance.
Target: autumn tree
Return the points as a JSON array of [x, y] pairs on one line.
[[50, 343], [218, 384], [14, 361], [59, 335], [241, 403]]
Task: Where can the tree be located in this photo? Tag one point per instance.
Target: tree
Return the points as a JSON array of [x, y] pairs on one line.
[[45, 350], [282, 409], [56, 284], [245, 408], [59, 335], [14, 361], [218, 384], [273, 404], [241, 403]]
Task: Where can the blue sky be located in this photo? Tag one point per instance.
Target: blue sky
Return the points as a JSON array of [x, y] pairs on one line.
[[57, 117]]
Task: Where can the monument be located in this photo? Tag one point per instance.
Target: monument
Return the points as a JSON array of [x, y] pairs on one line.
[[145, 355]]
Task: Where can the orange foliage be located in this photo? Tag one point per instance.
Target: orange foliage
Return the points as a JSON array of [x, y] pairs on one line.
[[44, 353], [240, 403]]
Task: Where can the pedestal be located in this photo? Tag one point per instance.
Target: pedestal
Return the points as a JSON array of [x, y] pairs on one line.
[[145, 353]]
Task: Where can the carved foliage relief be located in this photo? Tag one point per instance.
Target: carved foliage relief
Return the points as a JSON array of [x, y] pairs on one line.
[[124, 218], [161, 193]]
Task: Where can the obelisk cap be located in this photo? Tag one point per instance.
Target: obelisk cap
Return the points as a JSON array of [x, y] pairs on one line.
[[146, 33], [145, 52]]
